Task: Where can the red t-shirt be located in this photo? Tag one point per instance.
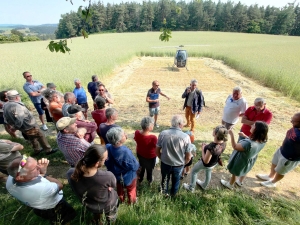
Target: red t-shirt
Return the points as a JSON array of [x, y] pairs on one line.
[[99, 116], [252, 114], [145, 145]]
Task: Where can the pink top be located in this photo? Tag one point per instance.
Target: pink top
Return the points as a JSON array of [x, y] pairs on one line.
[[145, 145]]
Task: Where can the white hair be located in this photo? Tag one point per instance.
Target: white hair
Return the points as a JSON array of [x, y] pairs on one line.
[[176, 121], [259, 100]]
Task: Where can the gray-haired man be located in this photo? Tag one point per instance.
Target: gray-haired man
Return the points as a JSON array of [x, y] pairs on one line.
[[235, 107], [173, 150], [81, 97], [20, 118]]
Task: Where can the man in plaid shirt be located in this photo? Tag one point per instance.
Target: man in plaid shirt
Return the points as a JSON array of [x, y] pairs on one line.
[[69, 141]]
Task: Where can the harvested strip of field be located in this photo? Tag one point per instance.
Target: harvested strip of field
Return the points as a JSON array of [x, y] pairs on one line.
[[130, 83]]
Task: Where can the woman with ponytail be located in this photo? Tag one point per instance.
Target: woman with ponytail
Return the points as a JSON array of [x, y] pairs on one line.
[[93, 186]]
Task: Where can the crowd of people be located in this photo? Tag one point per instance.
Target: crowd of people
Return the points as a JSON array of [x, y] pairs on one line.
[[102, 190]]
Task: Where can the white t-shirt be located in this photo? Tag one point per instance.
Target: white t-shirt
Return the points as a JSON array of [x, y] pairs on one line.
[[233, 108], [39, 193]]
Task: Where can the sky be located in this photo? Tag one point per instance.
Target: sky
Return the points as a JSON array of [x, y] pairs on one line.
[[35, 12]]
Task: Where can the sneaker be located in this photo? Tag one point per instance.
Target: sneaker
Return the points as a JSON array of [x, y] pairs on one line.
[[156, 125], [226, 184], [239, 183], [200, 183], [263, 177], [52, 151], [268, 184], [44, 127], [188, 187]]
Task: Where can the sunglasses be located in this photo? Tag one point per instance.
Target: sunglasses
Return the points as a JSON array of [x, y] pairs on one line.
[[29, 76], [101, 89], [22, 164]]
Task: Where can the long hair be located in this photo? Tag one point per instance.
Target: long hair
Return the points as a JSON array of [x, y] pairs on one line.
[[260, 132], [92, 155]]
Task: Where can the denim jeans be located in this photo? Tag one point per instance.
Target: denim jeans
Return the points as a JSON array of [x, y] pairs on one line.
[[166, 172], [148, 165], [197, 167]]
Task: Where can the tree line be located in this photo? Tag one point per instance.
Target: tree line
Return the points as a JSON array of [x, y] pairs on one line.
[[196, 15], [17, 36]]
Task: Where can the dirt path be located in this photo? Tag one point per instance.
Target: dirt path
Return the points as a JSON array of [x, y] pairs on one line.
[[130, 83]]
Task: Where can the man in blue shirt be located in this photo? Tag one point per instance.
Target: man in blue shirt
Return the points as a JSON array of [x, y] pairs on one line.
[[81, 97], [34, 88]]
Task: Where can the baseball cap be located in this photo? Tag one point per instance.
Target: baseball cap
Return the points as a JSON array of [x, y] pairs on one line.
[[12, 93], [63, 122], [75, 109]]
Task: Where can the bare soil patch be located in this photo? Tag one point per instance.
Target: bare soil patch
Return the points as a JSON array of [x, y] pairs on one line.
[[129, 84]]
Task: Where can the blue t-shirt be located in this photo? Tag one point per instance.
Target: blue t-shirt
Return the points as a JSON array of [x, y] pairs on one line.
[[80, 95], [290, 148], [92, 88], [28, 88]]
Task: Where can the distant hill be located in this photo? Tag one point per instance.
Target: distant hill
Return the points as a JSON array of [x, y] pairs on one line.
[[24, 25]]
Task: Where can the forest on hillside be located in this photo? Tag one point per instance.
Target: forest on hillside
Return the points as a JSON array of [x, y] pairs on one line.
[[182, 16]]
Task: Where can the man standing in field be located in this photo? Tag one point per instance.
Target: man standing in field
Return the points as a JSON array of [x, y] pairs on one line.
[[81, 97], [19, 117], [29, 183], [34, 89], [70, 100], [153, 99], [235, 106], [258, 112], [286, 158], [193, 103], [93, 87], [111, 116], [173, 150]]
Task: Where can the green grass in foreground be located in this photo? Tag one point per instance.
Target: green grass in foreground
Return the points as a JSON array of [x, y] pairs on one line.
[[214, 206], [270, 59], [209, 207]]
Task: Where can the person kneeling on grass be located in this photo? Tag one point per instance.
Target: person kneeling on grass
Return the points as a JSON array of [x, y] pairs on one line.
[[122, 163], [245, 153], [95, 187], [29, 183], [210, 157]]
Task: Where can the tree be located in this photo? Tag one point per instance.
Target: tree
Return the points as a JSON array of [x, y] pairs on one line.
[[285, 20], [240, 18]]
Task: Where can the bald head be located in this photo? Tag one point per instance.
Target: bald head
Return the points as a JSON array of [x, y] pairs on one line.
[[295, 120]]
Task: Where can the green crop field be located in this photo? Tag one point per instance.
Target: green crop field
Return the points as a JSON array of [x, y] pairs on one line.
[[272, 60]]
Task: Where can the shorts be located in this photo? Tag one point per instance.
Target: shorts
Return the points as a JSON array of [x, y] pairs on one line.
[[227, 125], [85, 106], [189, 163], [39, 109], [61, 214], [283, 165], [154, 111]]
